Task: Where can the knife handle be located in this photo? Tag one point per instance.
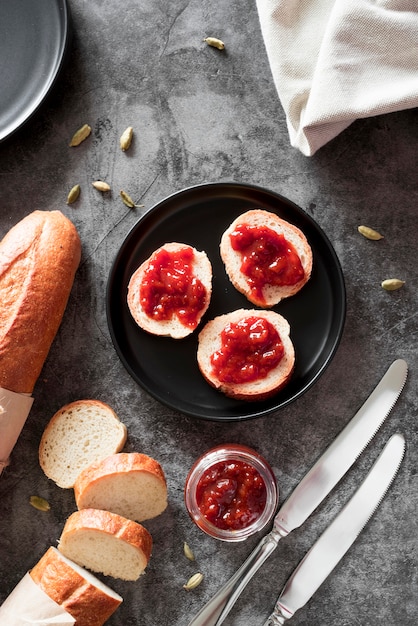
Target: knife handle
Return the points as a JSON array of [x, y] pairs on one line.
[[216, 610]]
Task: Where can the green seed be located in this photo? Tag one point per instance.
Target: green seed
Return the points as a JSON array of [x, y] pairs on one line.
[[74, 193], [369, 233], [39, 503], [80, 135]]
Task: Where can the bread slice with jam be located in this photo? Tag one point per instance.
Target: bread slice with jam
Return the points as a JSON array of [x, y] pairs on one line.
[[266, 258], [170, 292], [246, 354]]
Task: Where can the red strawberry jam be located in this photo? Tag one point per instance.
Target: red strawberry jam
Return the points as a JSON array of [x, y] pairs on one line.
[[267, 258], [231, 495], [250, 349], [169, 288]]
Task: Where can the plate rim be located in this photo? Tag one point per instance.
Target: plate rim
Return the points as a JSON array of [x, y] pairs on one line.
[[342, 303], [36, 103]]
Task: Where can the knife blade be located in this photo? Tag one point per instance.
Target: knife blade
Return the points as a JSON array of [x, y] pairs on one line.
[[314, 487], [336, 540]]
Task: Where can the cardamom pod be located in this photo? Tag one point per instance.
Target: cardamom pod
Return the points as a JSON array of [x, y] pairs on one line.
[[100, 185], [126, 138], [39, 503], [73, 194], [392, 284], [193, 582], [188, 552], [80, 135], [369, 233], [127, 199], [215, 43]]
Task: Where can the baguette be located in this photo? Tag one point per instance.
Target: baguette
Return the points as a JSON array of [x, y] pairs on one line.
[[269, 290], [79, 434], [106, 543], [257, 387], [129, 483], [38, 260], [88, 600], [158, 282]]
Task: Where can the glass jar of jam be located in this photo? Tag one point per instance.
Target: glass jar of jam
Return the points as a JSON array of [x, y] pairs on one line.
[[231, 492]]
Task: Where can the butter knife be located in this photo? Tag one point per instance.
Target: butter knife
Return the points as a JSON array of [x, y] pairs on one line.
[[314, 487], [334, 542]]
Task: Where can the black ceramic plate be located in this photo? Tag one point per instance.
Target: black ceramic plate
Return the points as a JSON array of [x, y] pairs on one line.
[[166, 368], [33, 39]]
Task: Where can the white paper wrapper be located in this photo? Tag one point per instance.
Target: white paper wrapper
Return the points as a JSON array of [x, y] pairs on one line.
[[29, 605], [14, 409]]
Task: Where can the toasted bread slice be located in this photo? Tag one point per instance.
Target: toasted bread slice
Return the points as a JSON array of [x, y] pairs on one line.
[[267, 385], [175, 324], [267, 295], [79, 434], [129, 483], [77, 591], [106, 543]]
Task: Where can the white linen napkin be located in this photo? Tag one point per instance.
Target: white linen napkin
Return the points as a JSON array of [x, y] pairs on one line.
[[335, 61]]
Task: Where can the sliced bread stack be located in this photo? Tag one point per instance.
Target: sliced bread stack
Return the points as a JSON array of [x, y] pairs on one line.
[[114, 490]]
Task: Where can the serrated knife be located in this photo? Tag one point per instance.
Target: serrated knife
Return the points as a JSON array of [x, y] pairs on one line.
[[314, 487], [334, 542]]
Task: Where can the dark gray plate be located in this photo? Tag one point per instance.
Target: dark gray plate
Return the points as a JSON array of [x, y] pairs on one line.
[[166, 368], [33, 39]]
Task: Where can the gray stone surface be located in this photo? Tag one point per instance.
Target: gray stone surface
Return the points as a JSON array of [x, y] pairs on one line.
[[205, 116]]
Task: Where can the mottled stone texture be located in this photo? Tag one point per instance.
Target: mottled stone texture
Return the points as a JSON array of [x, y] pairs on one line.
[[201, 115]]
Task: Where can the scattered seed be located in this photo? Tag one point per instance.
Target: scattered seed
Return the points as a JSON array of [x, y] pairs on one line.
[[128, 200], [80, 135], [126, 138], [100, 185], [215, 43], [392, 284], [188, 552], [39, 503], [193, 582], [74, 193], [369, 233]]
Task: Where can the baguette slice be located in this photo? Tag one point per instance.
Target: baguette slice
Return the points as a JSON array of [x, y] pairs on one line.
[[270, 294], [174, 326], [129, 483], [38, 260], [78, 591], [106, 543], [79, 434], [210, 341]]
